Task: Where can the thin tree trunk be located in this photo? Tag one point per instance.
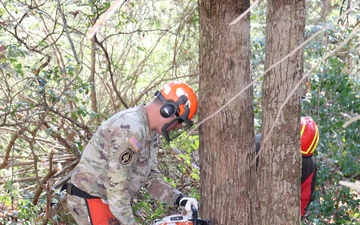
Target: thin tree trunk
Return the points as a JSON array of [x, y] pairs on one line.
[[227, 139], [279, 168], [92, 80]]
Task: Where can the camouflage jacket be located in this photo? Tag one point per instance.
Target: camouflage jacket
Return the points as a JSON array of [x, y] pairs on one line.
[[120, 159]]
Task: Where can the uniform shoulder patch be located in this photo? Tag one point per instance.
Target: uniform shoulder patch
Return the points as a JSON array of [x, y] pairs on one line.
[[126, 156], [135, 143]]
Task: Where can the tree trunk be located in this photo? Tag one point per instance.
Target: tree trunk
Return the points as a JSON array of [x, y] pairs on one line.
[[226, 139], [279, 168]]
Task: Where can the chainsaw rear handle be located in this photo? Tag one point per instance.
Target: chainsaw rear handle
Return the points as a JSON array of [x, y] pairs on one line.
[[195, 215], [196, 220]]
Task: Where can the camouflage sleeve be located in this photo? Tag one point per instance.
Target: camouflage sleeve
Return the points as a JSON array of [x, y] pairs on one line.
[[159, 189], [118, 182]]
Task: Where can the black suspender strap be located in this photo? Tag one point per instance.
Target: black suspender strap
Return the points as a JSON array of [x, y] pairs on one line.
[[73, 190]]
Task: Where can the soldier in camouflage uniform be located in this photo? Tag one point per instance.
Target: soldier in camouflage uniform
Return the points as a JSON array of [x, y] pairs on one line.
[[121, 158]]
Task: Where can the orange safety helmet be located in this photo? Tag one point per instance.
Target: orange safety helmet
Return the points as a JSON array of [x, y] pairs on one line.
[[180, 100], [309, 136], [173, 92]]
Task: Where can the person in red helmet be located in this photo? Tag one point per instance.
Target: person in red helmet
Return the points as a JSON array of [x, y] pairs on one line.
[[309, 139], [121, 158]]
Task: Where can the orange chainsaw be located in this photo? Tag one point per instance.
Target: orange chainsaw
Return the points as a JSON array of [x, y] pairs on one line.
[[183, 219]]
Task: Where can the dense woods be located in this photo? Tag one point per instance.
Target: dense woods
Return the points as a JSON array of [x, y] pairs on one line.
[[57, 86]]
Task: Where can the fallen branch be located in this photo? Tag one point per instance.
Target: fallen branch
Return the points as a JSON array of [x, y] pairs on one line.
[[354, 186], [351, 120]]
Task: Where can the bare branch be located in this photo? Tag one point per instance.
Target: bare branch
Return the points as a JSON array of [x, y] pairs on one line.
[[67, 31], [351, 120]]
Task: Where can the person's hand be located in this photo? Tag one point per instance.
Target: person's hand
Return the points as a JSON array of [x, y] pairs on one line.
[[187, 202]]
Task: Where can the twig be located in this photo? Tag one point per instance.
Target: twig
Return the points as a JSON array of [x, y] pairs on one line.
[[9, 147], [64, 179], [67, 32], [244, 13], [45, 179], [351, 120], [104, 17]]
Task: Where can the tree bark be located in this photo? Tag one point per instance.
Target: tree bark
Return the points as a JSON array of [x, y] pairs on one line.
[[227, 138], [279, 168]]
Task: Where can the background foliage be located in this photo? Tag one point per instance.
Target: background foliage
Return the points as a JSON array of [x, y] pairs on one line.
[[57, 87]]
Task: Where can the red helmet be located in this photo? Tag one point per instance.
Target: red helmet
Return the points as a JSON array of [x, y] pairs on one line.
[[309, 136]]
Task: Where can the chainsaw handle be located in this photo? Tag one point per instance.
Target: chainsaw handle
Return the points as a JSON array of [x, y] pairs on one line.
[[195, 214]]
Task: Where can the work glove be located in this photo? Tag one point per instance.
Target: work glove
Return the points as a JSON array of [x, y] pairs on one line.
[[187, 202]]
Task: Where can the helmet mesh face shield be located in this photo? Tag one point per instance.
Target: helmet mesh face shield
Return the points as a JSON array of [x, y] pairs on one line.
[[185, 122]]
